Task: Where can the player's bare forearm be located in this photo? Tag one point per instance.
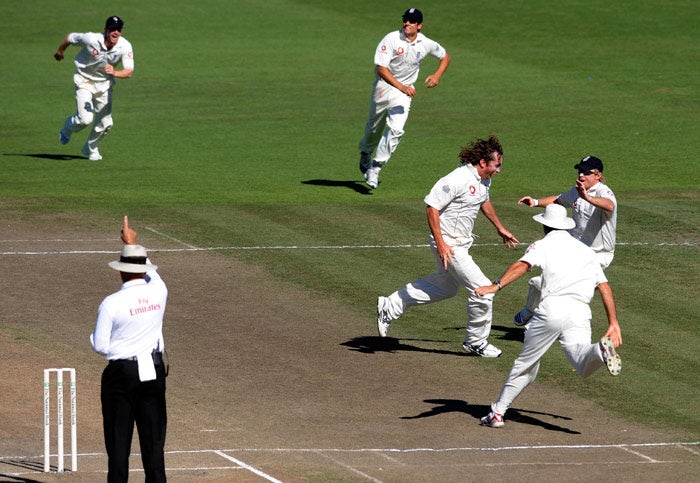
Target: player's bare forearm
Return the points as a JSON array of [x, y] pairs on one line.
[[512, 273], [434, 79], [120, 74], [613, 331], [490, 213], [532, 202], [58, 55], [604, 204], [386, 74], [443, 249]]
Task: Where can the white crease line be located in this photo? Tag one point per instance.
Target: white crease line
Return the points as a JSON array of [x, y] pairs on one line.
[[651, 460], [682, 444], [442, 450], [690, 450], [247, 467], [350, 468], [169, 237], [191, 248]]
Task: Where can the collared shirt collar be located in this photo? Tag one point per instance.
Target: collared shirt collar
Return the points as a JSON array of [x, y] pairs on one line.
[[134, 282]]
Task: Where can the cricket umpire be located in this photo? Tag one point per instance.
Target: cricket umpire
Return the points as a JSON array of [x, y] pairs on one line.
[[129, 332], [570, 275]]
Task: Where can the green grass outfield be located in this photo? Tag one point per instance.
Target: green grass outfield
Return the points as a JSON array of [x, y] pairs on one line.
[[240, 129]]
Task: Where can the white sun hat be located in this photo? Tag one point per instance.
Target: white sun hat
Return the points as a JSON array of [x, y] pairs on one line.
[[554, 216], [133, 259]]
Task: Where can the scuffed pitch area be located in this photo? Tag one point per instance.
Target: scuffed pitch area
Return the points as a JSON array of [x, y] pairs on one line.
[[270, 383]]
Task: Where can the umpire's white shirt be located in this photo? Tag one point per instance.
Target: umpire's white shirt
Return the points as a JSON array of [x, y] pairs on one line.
[[130, 322], [458, 197], [569, 268]]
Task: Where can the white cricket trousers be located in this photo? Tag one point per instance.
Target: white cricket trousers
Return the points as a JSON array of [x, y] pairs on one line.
[[534, 285], [445, 284], [388, 113], [557, 318], [94, 106]]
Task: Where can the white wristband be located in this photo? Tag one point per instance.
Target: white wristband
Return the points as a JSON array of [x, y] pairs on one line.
[[535, 202]]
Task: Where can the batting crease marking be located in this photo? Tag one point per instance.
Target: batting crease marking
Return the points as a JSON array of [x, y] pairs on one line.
[[652, 460], [689, 450], [191, 248], [348, 467], [169, 237], [247, 467]]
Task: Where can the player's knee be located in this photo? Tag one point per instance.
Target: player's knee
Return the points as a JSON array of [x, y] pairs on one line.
[[397, 133], [104, 125], [84, 118]]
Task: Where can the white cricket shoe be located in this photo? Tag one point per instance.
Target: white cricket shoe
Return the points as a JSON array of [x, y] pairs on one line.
[[372, 176], [484, 349], [611, 358], [493, 420], [383, 317], [93, 156]]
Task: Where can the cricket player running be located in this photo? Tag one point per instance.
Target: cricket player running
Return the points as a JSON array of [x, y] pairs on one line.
[[452, 206], [594, 211], [94, 78], [397, 62], [570, 275]]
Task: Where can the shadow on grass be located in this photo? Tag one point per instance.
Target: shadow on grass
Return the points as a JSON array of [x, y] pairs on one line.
[[509, 333], [54, 157], [375, 344], [522, 416], [356, 186]]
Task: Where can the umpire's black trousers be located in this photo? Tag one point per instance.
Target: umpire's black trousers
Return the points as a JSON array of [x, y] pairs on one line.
[[126, 400]]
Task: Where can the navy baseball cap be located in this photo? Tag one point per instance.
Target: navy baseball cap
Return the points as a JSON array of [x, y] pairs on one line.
[[588, 163], [114, 23], [413, 15]]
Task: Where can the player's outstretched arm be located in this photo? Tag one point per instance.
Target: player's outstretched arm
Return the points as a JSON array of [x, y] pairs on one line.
[[613, 331], [490, 213], [58, 55]]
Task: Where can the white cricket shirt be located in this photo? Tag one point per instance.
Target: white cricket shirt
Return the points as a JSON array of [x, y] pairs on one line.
[[94, 56], [594, 227], [403, 58], [458, 197]]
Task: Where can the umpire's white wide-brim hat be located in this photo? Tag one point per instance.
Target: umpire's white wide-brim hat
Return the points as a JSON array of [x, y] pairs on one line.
[[133, 259], [554, 216]]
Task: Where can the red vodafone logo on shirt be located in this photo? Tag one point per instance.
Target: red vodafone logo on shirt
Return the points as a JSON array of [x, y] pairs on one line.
[[95, 53], [400, 51], [472, 190]]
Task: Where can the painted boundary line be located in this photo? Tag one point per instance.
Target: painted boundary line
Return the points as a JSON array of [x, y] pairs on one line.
[[190, 248]]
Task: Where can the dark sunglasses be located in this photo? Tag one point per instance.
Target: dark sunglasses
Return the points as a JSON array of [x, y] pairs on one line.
[[587, 173]]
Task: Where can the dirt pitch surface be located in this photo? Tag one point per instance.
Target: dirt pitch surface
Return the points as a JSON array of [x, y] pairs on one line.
[[268, 382]]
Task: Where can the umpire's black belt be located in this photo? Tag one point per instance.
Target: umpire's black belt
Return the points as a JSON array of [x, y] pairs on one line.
[[157, 357]]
